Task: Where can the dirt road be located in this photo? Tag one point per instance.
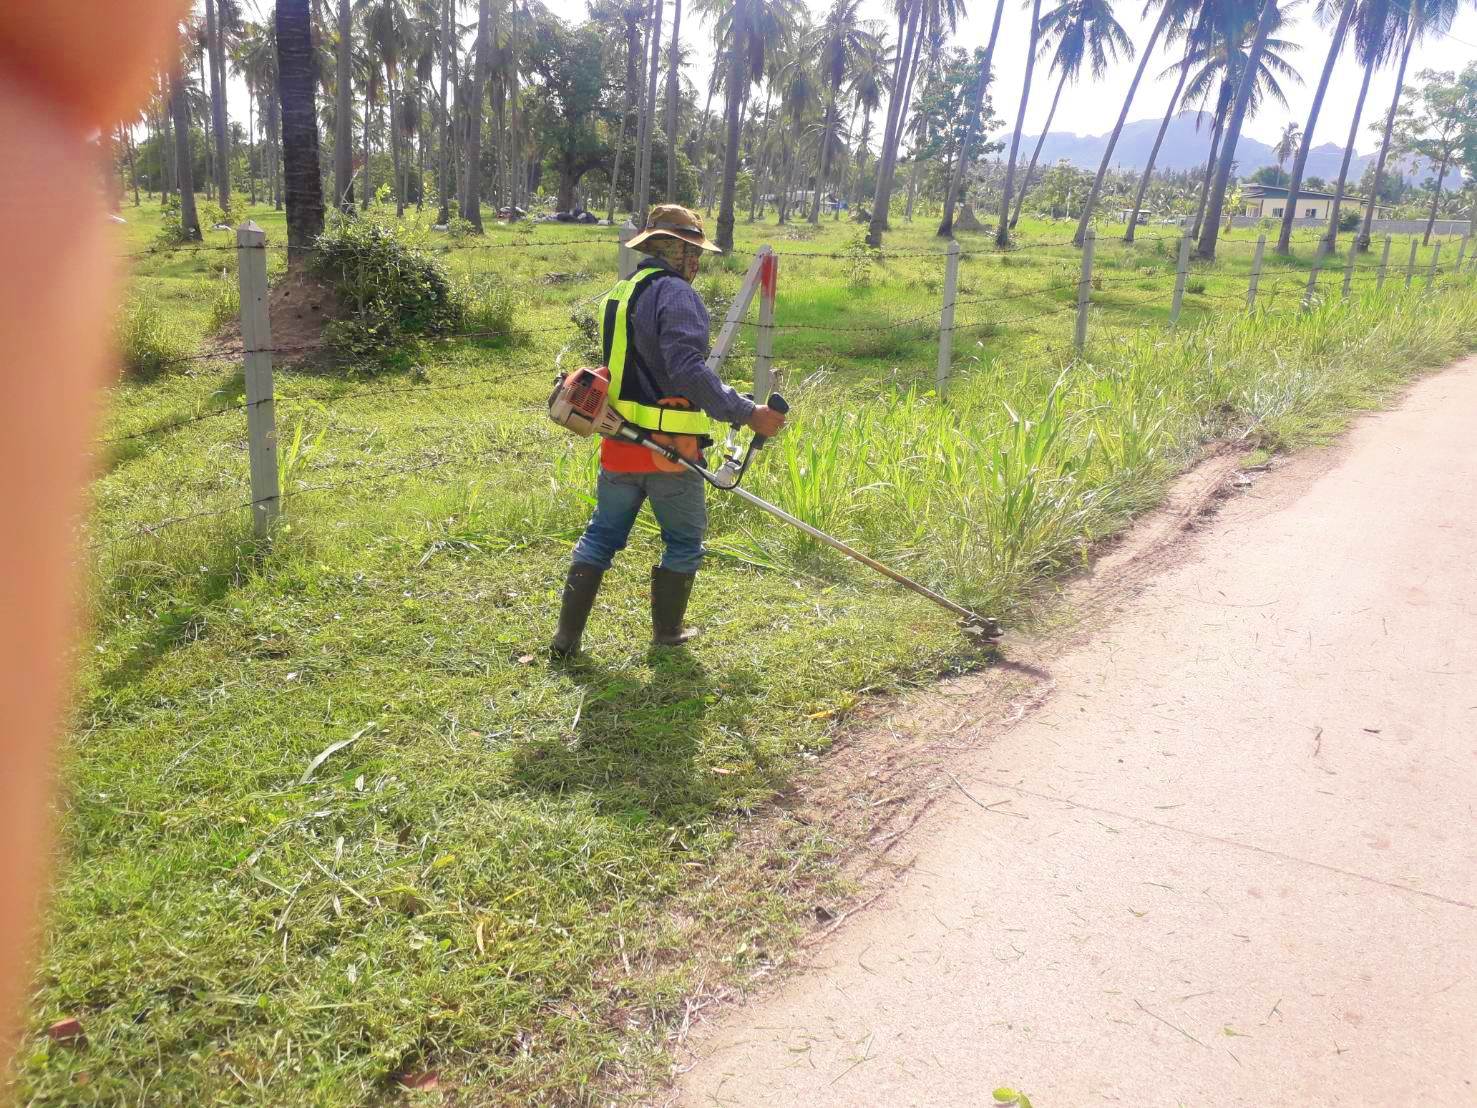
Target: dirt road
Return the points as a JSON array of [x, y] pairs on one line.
[[1228, 858]]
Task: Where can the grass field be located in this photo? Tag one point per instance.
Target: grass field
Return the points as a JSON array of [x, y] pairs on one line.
[[515, 872]]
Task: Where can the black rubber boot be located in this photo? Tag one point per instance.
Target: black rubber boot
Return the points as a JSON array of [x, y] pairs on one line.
[[580, 587], [669, 594]]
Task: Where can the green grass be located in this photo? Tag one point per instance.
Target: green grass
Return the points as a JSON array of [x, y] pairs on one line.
[[516, 871]]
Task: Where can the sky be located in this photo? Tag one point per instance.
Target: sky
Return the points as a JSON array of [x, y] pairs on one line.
[[1091, 108]]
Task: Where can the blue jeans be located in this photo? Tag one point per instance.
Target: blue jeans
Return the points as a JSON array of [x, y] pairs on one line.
[[677, 501]]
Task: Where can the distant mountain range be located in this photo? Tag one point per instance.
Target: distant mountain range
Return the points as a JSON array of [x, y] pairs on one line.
[[1186, 146]]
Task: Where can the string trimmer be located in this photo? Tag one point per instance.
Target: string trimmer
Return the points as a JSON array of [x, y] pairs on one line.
[[581, 403]]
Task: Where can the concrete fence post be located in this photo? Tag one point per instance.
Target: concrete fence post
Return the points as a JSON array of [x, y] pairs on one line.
[[1461, 255], [256, 344], [1379, 281], [1181, 275], [1435, 260], [626, 261], [1256, 271], [946, 317], [1410, 265], [1084, 291]]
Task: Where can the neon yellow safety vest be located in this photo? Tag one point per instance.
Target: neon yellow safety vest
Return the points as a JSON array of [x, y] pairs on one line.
[[631, 393]]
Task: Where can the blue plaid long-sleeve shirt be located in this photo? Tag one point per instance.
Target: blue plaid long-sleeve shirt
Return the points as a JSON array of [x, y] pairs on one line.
[[671, 331]]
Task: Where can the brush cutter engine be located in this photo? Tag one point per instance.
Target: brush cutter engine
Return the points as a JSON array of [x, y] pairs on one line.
[[580, 403]]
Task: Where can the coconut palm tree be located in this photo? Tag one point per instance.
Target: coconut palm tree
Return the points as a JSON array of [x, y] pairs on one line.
[[1078, 32], [1287, 144], [648, 115], [870, 82], [674, 90], [1002, 231], [297, 78], [746, 31], [218, 104], [1251, 80], [184, 169], [386, 33], [343, 119], [472, 207], [1191, 33], [1378, 32], [1171, 14], [840, 41], [630, 13], [917, 20], [1421, 18], [975, 116], [1218, 61], [1322, 14]]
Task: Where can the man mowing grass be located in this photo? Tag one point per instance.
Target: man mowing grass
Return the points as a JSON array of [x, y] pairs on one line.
[[654, 330]]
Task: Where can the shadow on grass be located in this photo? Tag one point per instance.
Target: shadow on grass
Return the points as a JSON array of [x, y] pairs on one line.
[[184, 586], [635, 749]]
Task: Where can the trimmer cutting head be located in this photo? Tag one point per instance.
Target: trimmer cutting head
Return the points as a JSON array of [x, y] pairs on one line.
[[983, 628]]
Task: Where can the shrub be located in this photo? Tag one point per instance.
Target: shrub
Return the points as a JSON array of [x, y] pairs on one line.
[[225, 300], [1349, 219], [149, 343], [211, 213], [387, 281], [489, 306], [1195, 288], [860, 259]]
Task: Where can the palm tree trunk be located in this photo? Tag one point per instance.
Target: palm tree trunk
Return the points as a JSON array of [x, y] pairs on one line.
[[633, 55], [127, 137], [1169, 113], [395, 144], [827, 124], [443, 175], [737, 77], [1331, 236], [1425, 239], [472, 212], [1289, 212], [517, 170], [648, 115], [298, 65], [1212, 230], [673, 94], [756, 202], [1020, 196], [250, 134], [972, 126], [892, 133], [912, 188], [845, 165], [205, 128], [368, 115], [1362, 243], [861, 158], [1002, 232], [184, 170], [1097, 185], [1203, 197], [218, 106], [420, 146], [343, 113]]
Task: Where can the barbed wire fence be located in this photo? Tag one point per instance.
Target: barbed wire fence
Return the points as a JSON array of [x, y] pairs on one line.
[[258, 351]]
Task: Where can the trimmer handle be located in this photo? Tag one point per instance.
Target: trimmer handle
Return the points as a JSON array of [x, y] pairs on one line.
[[777, 403]]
